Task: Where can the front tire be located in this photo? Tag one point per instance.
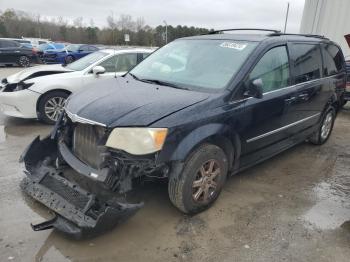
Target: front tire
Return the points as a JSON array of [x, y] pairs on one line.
[[51, 105], [198, 185], [69, 59], [325, 129]]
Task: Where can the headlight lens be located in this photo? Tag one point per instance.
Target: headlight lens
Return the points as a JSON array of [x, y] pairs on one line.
[[21, 86], [137, 141]]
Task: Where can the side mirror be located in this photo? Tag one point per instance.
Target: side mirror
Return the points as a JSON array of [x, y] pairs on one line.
[[255, 89], [97, 70]]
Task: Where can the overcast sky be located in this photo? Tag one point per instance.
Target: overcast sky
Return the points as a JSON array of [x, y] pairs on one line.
[[215, 14]]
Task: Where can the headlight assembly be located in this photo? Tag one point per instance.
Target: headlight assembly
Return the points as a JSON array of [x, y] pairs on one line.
[[137, 140], [21, 86]]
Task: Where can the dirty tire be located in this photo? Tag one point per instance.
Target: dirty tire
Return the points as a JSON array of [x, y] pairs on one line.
[[24, 61], [180, 187], [43, 103], [69, 59], [320, 137]]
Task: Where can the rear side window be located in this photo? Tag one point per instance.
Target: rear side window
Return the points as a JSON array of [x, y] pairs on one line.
[[307, 62], [332, 59], [272, 69]]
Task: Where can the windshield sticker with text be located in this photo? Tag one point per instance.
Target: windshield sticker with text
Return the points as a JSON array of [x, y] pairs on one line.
[[233, 45]]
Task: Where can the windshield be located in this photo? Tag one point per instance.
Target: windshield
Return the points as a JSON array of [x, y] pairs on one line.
[[86, 61], [72, 48], [208, 64]]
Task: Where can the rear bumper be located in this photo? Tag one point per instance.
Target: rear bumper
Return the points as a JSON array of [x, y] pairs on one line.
[[78, 212]]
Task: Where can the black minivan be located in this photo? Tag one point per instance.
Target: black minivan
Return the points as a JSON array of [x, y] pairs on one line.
[[195, 112]]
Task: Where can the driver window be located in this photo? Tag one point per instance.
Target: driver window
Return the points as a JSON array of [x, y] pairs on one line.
[[110, 64], [272, 69], [125, 62]]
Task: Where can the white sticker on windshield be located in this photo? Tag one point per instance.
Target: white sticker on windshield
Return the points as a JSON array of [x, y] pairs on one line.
[[233, 45]]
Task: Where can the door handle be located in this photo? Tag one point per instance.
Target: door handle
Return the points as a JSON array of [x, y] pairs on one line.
[[290, 100], [304, 96]]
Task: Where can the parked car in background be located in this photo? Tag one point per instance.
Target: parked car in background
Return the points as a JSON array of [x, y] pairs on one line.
[[35, 42], [347, 89], [25, 43], [41, 91], [68, 54], [41, 49], [196, 111], [13, 53]]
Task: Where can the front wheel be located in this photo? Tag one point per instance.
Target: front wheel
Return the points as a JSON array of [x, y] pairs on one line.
[[200, 182], [69, 59], [325, 128], [51, 106]]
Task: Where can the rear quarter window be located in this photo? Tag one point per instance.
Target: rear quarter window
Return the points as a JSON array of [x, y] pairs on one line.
[[332, 59], [307, 63]]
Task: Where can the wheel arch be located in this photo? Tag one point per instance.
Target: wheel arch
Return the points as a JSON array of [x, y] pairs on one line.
[[221, 135], [48, 92]]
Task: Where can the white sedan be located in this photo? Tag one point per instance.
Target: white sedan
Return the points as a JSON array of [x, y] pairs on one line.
[[40, 91]]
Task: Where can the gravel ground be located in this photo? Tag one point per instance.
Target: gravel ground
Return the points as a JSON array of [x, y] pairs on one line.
[[293, 207]]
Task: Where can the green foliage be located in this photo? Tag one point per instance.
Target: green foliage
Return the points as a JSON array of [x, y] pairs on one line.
[[15, 23]]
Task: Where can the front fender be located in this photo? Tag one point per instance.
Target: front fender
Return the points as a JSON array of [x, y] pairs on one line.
[[191, 140]]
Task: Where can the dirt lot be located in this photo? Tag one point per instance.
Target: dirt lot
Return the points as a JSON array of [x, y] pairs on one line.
[[294, 207]]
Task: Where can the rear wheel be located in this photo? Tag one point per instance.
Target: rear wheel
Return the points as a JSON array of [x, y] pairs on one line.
[[24, 61], [325, 128], [201, 180], [51, 105], [69, 59]]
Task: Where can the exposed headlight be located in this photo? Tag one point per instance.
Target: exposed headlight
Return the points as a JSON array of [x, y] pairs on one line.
[[21, 86], [136, 140]]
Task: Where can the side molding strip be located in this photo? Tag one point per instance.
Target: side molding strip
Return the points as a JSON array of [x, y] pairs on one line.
[[282, 128]]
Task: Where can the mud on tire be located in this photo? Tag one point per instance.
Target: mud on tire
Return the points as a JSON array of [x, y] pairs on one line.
[[325, 128], [185, 185]]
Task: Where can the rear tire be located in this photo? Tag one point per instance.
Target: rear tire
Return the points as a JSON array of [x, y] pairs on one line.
[[24, 61], [325, 129], [197, 186], [51, 105]]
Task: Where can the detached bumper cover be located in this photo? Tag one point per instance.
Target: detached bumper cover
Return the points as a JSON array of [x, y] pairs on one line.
[[79, 213]]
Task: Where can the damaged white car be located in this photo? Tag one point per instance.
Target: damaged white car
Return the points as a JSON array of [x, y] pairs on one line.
[[41, 91]]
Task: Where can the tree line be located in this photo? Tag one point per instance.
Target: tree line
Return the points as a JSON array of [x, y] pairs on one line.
[[15, 24]]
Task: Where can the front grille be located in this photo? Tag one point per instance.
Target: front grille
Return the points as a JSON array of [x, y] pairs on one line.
[[86, 141], [74, 197]]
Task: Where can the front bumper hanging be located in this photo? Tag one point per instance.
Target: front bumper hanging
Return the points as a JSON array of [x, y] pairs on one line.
[[78, 212]]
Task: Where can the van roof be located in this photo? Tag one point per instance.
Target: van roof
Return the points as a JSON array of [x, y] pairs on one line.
[[264, 34]]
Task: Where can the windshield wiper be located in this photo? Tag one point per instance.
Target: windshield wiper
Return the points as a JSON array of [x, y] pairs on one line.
[[163, 83], [135, 77]]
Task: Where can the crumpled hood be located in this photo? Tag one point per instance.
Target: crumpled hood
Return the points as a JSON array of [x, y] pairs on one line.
[[128, 102], [35, 70]]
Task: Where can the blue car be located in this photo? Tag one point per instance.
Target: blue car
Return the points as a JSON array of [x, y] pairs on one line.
[[40, 50], [68, 54]]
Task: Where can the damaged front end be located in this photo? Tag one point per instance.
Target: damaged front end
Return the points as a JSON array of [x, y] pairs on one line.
[[83, 182]]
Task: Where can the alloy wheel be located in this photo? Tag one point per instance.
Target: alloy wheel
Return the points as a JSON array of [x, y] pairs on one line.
[[54, 107], [205, 185], [327, 125], [24, 61]]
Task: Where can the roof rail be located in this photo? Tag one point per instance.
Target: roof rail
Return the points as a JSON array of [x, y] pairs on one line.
[[244, 29], [306, 35]]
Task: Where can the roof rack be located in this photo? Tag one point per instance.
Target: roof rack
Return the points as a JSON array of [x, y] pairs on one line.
[[306, 35], [244, 29]]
